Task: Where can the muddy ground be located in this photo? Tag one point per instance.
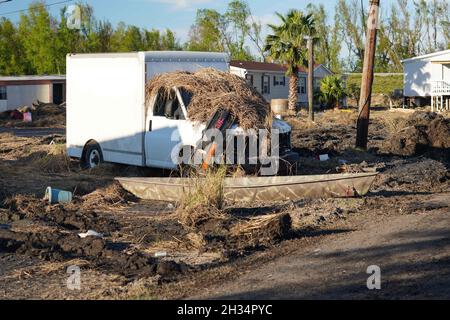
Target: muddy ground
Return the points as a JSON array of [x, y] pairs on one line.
[[38, 242]]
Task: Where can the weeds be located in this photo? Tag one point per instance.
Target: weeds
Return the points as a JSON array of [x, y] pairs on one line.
[[55, 161], [205, 191]]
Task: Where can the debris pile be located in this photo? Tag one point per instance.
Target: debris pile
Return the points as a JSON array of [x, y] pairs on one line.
[[61, 247], [113, 195], [40, 114], [262, 231], [420, 133], [211, 227], [212, 90]]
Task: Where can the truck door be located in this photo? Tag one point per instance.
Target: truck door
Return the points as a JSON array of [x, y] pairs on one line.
[[165, 126]]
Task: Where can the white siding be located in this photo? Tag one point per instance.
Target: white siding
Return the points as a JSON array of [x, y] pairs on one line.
[[3, 105], [25, 95], [420, 74], [279, 91], [238, 71], [446, 72]]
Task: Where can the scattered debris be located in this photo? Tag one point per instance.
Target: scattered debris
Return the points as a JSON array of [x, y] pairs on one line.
[[420, 133], [213, 90], [155, 242], [90, 233], [54, 196], [45, 115], [263, 230], [161, 254]]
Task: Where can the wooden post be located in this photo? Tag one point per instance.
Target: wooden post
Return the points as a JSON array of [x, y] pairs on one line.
[[311, 78], [367, 78]]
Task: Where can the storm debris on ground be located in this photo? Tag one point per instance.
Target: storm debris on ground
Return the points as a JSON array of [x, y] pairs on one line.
[[202, 233], [212, 90]]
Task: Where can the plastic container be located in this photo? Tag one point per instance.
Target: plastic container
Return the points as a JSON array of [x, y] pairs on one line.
[[279, 106], [55, 196]]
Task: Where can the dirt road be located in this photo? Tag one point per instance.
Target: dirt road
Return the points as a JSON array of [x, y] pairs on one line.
[[413, 252]]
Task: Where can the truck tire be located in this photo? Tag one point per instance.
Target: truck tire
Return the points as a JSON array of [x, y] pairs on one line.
[[92, 157]]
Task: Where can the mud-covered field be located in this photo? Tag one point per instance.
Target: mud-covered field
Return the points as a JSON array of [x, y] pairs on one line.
[[165, 250]]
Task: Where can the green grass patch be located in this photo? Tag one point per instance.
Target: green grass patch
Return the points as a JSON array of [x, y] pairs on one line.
[[382, 84]]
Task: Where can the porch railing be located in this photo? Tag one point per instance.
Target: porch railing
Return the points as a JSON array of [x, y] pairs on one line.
[[441, 88]]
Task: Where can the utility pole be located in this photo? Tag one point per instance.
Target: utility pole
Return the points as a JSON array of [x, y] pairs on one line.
[[367, 77], [311, 77]]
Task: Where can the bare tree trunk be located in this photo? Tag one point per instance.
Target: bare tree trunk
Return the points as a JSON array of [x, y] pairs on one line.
[[293, 91]]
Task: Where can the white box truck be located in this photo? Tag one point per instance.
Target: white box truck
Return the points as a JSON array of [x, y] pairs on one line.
[[107, 116]]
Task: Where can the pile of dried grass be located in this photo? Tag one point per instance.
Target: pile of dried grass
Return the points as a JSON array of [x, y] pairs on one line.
[[263, 230], [418, 134], [55, 161], [46, 269], [26, 206], [194, 217], [113, 195], [213, 90]]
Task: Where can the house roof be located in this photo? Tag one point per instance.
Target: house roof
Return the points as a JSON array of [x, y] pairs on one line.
[[32, 78], [269, 67], [425, 56]]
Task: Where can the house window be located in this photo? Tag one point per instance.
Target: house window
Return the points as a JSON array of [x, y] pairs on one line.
[[3, 95], [266, 85], [317, 83], [249, 78], [301, 86], [279, 81]]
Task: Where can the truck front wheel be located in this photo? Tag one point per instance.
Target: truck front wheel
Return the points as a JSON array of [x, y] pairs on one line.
[[92, 156]]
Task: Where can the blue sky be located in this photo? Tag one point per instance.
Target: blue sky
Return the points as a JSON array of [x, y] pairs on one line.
[[177, 15]]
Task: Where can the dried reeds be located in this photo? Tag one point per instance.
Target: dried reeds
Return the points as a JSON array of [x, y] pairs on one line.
[[46, 269], [55, 161], [204, 199], [213, 90], [113, 195], [262, 230]]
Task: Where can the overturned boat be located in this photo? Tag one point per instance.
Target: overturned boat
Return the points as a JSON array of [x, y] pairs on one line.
[[250, 189]]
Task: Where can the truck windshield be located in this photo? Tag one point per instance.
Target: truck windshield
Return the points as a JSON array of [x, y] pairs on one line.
[[186, 96]]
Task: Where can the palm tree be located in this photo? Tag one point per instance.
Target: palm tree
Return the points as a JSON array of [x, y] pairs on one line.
[[286, 45], [331, 91]]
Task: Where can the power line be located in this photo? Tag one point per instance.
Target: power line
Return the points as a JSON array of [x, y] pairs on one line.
[[45, 6]]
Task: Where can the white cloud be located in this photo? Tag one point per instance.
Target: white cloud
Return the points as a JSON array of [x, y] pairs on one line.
[[182, 4]]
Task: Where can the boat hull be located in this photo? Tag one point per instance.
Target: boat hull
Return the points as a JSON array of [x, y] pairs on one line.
[[257, 188]]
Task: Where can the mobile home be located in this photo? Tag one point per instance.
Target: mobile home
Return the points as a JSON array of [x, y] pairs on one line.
[[427, 79], [22, 91]]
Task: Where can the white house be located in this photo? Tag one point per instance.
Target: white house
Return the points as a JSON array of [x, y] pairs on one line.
[[271, 81], [22, 91], [427, 77]]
